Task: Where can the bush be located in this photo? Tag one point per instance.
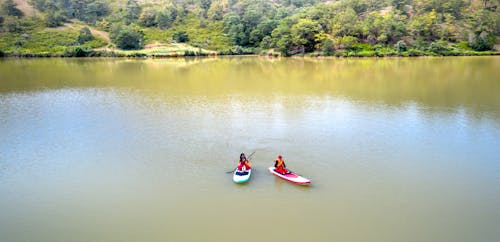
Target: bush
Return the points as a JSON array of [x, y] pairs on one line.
[[366, 53], [84, 35], [481, 42], [415, 52], [361, 47], [54, 19], [463, 45], [2, 54], [77, 51], [328, 47], [439, 47], [180, 36], [127, 38], [387, 51], [400, 46], [10, 8]]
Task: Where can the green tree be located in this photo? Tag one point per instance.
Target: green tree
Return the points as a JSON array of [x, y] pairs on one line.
[[424, 26], [148, 18], [400, 46], [235, 29], [216, 10], [328, 47], [54, 15], [303, 34], [482, 25], [180, 36], [132, 12], [164, 19], [281, 39], [9, 7], [84, 35], [345, 23], [127, 38]]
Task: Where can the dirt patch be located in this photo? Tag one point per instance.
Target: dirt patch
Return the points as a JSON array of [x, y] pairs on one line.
[[102, 34], [386, 10], [25, 7]]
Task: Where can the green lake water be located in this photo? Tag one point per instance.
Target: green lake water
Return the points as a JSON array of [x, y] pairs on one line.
[[398, 149]]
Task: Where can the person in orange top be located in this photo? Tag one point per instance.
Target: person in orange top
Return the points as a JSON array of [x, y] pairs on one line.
[[280, 166], [244, 164]]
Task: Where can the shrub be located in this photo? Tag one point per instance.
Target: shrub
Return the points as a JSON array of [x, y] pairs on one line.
[[400, 46], [439, 47], [415, 52], [10, 8], [127, 38], [180, 36], [84, 35], [328, 47], [77, 51], [361, 47], [366, 53], [481, 42]]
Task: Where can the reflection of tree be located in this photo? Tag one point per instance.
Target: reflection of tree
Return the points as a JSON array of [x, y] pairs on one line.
[[451, 83]]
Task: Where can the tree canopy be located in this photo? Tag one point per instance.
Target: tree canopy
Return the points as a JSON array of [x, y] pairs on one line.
[[288, 26]]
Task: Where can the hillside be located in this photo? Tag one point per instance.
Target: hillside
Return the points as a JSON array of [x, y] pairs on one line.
[[284, 27]]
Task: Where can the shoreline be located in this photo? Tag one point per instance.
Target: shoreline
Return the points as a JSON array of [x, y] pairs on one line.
[[113, 54]]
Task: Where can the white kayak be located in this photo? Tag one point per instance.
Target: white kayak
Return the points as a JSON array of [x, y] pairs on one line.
[[241, 176], [291, 177]]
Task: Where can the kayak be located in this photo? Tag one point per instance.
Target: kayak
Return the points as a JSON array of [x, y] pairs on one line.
[[241, 176], [291, 177]]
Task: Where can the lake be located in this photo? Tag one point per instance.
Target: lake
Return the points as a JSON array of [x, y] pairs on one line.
[[398, 149]]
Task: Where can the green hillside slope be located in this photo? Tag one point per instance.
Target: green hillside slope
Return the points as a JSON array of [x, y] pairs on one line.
[[284, 27]]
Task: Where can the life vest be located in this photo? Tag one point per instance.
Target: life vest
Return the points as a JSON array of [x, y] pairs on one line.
[[279, 163], [280, 166], [244, 164]]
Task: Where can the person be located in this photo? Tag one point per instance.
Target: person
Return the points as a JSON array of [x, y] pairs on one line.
[[280, 166], [244, 164]]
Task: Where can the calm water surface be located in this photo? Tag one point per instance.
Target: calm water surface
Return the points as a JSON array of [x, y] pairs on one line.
[[136, 150]]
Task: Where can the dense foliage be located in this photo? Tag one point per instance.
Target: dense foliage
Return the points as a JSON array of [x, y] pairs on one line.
[[290, 27]]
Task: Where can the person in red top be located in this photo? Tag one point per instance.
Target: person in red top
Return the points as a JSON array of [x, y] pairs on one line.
[[280, 166], [244, 164]]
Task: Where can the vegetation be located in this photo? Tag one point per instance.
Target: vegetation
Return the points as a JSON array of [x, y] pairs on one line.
[[285, 27]]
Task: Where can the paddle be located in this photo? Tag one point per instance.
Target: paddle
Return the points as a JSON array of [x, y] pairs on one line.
[[249, 158]]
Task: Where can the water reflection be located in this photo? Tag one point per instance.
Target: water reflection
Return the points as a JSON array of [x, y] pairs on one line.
[[106, 149]]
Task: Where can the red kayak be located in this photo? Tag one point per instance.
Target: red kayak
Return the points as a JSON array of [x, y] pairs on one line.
[[291, 177]]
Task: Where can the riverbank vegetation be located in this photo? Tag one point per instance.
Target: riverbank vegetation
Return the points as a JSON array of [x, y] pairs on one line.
[[269, 27]]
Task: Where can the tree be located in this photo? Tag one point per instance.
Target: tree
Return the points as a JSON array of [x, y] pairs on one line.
[[148, 18], [481, 42], [84, 35], [235, 29], [424, 26], [216, 11], [345, 23], [327, 47], [54, 18], [303, 34], [180, 36], [10, 8], [127, 38], [281, 39], [54, 15], [400, 46], [482, 27], [132, 12], [164, 19]]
